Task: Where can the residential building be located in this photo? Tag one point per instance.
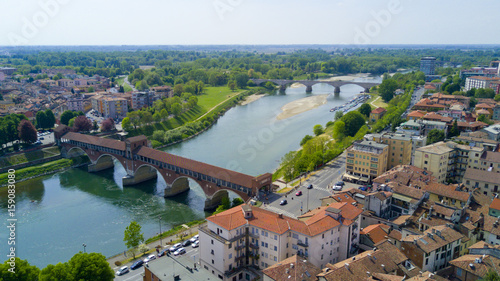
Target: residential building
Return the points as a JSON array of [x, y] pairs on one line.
[[2, 76], [450, 195], [406, 175], [473, 267], [246, 236], [293, 266], [435, 158], [493, 132], [384, 258], [486, 144], [377, 113], [75, 104], [8, 70], [489, 161], [415, 115], [428, 65], [366, 160], [373, 234], [110, 107], [490, 229], [379, 203], [494, 208], [487, 182], [478, 71], [481, 82], [434, 249], [6, 104], [400, 148], [143, 99], [496, 112], [405, 199], [65, 83]]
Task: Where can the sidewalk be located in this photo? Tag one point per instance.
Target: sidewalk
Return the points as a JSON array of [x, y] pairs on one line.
[[165, 241]]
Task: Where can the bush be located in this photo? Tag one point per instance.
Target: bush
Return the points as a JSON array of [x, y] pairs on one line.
[[118, 263]]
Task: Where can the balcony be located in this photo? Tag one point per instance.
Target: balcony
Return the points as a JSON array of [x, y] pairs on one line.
[[301, 243], [237, 259], [354, 236], [354, 226], [239, 247], [254, 246]]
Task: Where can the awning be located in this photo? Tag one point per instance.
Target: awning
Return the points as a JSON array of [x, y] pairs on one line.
[[353, 177], [401, 197]]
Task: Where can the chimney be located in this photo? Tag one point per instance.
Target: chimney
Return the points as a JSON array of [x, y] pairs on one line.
[[346, 266], [383, 266], [280, 215]]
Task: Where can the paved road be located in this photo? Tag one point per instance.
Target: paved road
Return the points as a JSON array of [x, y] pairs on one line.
[[187, 259], [310, 198]]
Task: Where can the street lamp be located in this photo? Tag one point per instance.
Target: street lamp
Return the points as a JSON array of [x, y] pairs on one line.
[[84, 245], [159, 219]]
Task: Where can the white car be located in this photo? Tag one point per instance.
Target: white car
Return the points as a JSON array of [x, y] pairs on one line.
[[337, 187], [149, 258], [175, 247], [122, 270], [196, 244], [194, 238], [180, 251]]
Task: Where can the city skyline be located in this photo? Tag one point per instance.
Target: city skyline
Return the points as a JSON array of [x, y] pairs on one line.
[[222, 22]]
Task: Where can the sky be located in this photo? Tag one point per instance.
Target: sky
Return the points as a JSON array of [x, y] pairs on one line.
[[248, 22]]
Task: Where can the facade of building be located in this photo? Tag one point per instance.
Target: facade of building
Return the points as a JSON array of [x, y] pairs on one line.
[[400, 148], [434, 249], [6, 104], [249, 236], [366, 160], [109, 106], [481, 82], [143, 99], [75, 104], [428, 65], [487, 182], [377, 113], [473, 267], [435, 158]]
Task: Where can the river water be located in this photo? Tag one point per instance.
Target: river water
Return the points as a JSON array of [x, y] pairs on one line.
[[59, 213]]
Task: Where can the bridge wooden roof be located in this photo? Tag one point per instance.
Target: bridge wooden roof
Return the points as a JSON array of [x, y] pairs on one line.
[[104, 142], [196, 166]]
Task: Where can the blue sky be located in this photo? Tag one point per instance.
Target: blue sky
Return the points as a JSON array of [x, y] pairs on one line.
[[168, 22]]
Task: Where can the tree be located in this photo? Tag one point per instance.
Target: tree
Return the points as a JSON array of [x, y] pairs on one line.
[[82, 124], [126, 124], [90, 266], [107, 125], [71, 122], [91, 89], [66, 116], [176, 109], [56, 272], [178, 89], [318, 130], [353, 122], [435, 135], [241, 80], [50, 118], [41, 119], [338, 115], [305, 139], [454, 130], [232, 85], [491, 276], [133, 236], [23, 271], [121, 89], [387, 88], [157, 117], [135, 118], [338, 130], [365, 109], [95, 126], [237, 201], [27, 132], [146, 117], [288, 163], [497, 98], [164, 114]]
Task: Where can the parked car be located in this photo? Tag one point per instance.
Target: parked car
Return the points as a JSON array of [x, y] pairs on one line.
[[175, 247], [363, 188], [42, 138], [310, 186], [341, 183], [180, 251], [196, 244], [137, 264], [337, 187], [194, 238], [283, 202], [163, 252], [150, 258], [122, 270], [298, 193], [186, 243]]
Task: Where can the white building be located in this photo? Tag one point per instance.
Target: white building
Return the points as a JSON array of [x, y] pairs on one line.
[[243, 237]]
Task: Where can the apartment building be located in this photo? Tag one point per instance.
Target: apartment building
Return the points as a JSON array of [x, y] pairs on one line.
[[377, 113], [143, 99], [400, 148], [247, 236], [428, 65], [478, 82], [435, 158], [434, 249], [487, 182], [366, 160], [109, 106], [473, 267], [75, 104], [450, 195], [65, 83]]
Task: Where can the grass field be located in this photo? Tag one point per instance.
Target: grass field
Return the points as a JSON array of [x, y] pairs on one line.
[[120, 81], [28, 156], [376, 101]]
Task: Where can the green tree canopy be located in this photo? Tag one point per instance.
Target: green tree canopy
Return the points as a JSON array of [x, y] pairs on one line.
[[23, 271], [90, 267], [435, 135], [50, 118], [365, 109], [387, 88], [338, 130], [66, 116], [353, 122], [338, 115], [305, 139], [133, 235], [318, 130]]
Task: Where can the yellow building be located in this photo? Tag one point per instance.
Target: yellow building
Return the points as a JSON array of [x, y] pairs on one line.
[[109, 106], [366, 160], [6, 104], [377, 113], [400, 146], [435, 158], [450, 195]]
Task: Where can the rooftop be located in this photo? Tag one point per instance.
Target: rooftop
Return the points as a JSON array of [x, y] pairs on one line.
[[292, 266], [478, 265], [434, 238], [482, 176], [436, 148]]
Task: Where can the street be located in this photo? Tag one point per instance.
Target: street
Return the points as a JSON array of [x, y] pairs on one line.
[[310, 198]]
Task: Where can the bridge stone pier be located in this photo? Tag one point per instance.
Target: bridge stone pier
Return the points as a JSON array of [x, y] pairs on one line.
[[144, 163], [309, 83]]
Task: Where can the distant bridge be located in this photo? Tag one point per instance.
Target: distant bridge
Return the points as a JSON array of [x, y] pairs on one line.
[[143, 162], [309, 83]]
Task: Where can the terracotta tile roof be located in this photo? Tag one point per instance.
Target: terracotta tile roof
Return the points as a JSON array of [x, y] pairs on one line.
[[386, 277], [495, 204], [395, 234], [229, 219], [356, 268], [292, 266], [375, 232], [491, 156], [427, 276], [401, 220], [449, 191], [417, 113], [193, 165], [483, 111], [482, 176], [485, 105], [478, 269], [405, 174], [378, 110], [406, 190], [429, 244], [491, 225], [104, 142]]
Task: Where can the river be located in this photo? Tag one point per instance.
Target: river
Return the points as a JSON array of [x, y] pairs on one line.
[[59, 213]]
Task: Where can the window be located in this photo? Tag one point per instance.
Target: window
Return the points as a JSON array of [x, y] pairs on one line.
[[213, 262], [275, 237], [212, 241], [459, 271], [230, 256], [275, 248]]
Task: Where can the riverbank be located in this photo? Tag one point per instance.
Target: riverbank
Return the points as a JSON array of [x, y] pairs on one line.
[[347, 77], [299, 106], [44, 169], [252, 98]]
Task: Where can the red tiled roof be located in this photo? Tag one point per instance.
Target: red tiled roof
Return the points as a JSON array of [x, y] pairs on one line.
[[376, 232], [378, 110], [495, 204], [447, 191], [104, 142]]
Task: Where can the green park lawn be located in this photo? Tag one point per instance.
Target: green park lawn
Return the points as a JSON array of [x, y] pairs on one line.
[[28, 156], [120, 81]]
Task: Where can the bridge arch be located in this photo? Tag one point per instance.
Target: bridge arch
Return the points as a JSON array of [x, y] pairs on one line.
[[142, 173]]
